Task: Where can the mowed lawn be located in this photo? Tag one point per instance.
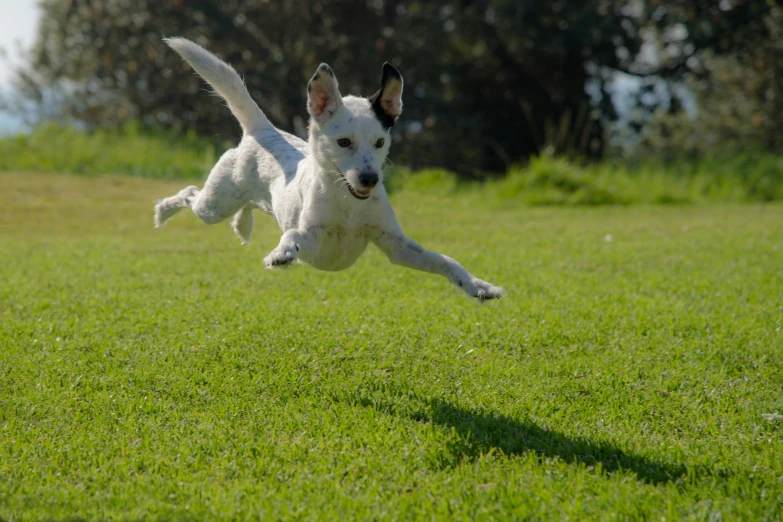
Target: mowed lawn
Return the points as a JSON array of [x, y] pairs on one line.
[[632, 371]]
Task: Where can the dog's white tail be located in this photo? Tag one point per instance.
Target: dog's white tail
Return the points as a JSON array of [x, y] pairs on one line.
[[225, 80]]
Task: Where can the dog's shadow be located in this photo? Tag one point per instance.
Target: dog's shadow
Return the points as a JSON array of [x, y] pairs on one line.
[[483, 432]]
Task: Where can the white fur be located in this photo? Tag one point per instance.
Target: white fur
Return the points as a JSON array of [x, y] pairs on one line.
[[312, 189]]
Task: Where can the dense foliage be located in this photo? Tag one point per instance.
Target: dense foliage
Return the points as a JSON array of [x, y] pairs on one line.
[[488, 82]]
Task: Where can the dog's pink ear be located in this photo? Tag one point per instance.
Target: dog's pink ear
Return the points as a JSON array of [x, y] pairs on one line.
[[387, 102], [323, 96]]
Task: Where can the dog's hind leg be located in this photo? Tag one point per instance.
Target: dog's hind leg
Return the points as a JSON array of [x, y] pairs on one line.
[[167, 207], [213, 204], [243, 223], [225, 191], [222, 196]]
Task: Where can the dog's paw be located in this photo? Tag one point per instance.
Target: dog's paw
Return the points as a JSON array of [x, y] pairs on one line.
[[279, 258], [482, 290]]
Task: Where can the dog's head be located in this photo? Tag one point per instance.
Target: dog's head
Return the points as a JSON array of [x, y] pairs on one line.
[[350, 136]]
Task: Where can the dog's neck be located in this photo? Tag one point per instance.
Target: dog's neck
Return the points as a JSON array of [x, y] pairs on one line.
[[323, 165]]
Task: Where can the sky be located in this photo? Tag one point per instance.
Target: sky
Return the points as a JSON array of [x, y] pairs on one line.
[[18, 19]]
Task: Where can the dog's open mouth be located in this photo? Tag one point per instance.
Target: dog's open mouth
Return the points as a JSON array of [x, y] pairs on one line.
[[356, 192]]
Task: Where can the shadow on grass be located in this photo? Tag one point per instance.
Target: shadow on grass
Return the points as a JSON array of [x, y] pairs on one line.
[[481, 432]]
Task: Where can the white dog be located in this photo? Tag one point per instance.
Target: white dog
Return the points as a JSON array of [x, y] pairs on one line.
[[326, 194]]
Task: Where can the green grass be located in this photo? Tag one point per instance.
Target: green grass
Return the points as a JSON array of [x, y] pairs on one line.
[[545, 181], [132, 151], [165, 375], [548, 181]]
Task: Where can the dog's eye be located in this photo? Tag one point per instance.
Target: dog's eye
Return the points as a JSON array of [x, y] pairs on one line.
[[379, 143], [344, 142]]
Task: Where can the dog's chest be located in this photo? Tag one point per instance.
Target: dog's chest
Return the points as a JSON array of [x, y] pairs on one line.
[[338, 247]]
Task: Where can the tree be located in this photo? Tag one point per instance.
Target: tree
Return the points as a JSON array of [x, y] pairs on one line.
[[488, 82]]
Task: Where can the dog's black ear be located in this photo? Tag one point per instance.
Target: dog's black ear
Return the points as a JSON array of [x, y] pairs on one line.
[[387, 102], [323, 96]]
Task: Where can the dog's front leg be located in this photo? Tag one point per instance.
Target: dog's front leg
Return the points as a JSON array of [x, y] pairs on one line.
[[403, 251], [291, 244]]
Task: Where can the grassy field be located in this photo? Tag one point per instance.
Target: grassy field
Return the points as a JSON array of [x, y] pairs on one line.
[[632, 371], [728, 177]]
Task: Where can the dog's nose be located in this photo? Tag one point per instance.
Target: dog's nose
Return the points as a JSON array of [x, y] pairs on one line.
[[368, 179]]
